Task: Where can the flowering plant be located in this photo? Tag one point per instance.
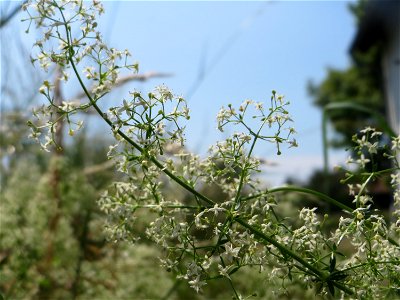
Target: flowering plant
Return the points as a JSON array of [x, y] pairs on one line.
[[212, 237]]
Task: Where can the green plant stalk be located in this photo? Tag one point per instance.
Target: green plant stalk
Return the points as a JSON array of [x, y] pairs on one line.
[[363, 188], [376, 173], [318, 194], [351, 105], [243, 173], [122, 134], [302, 190], [152, 206], [325, 149], [394, 262], [321, 275], [256, 136]]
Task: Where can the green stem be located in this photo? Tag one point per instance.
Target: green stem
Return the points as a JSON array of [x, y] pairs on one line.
[[302, 190], [256, 136], [233, 288], [321, 275], [381, 120], [325, 149], [281, 248], [363, 188], [169, 206], [243, 174], [367, 263], [376, 173], [318, 194]]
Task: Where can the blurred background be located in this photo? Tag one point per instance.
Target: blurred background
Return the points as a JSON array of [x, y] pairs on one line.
[[211, 53]]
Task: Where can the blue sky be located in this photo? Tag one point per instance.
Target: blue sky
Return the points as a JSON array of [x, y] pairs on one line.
[[245, 49]]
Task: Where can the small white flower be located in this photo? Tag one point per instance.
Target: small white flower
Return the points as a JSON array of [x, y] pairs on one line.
[[396, 143], [362, 161], [259, 106], [43, 89], [367, 129], [197, 284], [224, 271]]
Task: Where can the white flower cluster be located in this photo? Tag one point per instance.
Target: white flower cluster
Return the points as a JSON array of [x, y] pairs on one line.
[[376, 243], [58, 20], [275, 117], [153, 122]]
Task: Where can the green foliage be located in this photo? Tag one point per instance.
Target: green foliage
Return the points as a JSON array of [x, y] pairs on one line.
[[360, 84], [54, 246], [358, 9]]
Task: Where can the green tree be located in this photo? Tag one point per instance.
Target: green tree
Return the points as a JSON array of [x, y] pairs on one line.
[[361, 84]]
